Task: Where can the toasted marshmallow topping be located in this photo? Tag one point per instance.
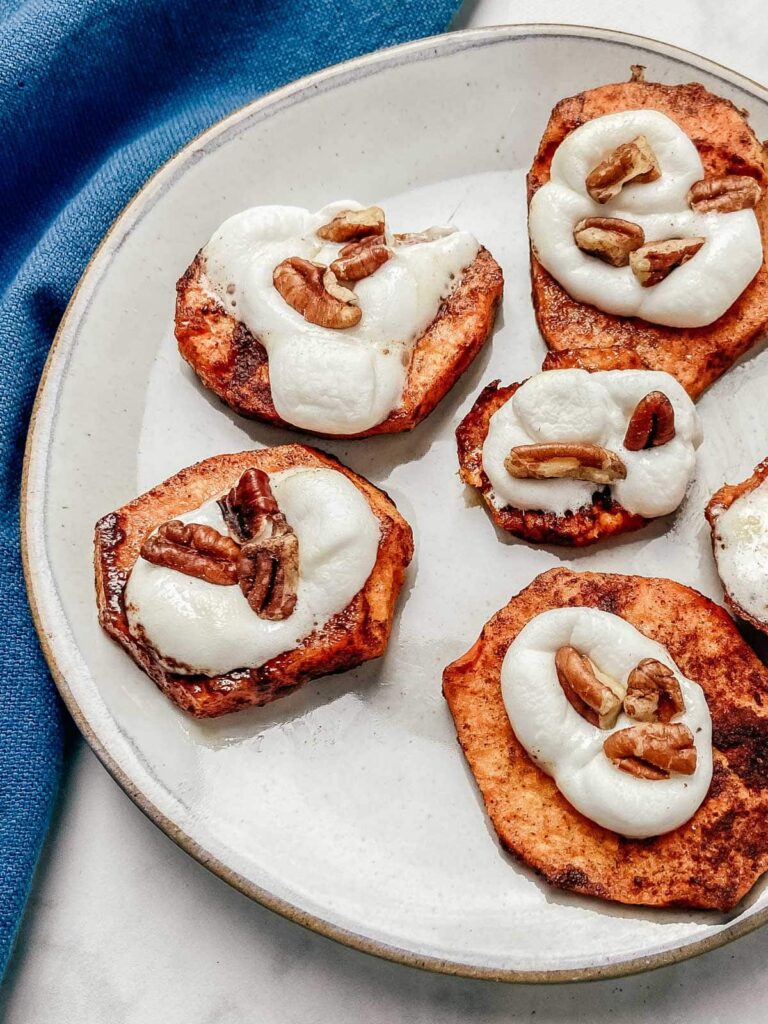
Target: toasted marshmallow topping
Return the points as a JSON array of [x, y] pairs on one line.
[[575, 405], [570, 749], [201, 628], [741, 551], [333, 381], [694, 294]]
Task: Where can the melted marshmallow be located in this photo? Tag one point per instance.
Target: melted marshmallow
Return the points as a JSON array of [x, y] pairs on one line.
[[574, 405], [694, 294], [211, 630], [568, 748], [334, 381], [741, 551]]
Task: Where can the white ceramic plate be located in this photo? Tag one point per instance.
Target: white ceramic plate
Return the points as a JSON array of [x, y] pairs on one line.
[[348, 806]]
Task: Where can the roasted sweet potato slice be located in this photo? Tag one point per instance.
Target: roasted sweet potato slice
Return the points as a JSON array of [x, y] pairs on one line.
[[357, 634], [715, 858], [604, 517], [233, 364], [696, 356]]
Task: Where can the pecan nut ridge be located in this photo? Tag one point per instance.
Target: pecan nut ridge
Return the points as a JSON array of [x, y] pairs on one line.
[[652, 423], [724, 195], [652, 750], [594, 695], [195, 550], [576, 460], [313, 291], [653, 693], [352, 225], [632, 161], [609, 238]]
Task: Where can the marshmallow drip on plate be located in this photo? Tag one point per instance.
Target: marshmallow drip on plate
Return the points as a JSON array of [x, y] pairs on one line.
[[570, 749], [211, 630], [333, 381], [693, 295], [575, 405], [741, 551]]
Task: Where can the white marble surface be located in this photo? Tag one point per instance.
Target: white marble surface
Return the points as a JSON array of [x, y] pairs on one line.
[[123, 926]]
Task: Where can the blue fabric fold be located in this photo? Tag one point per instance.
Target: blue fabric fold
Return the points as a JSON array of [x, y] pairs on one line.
[[94, 96]]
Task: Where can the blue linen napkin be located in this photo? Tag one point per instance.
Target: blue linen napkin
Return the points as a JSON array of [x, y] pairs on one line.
[[95, 95]]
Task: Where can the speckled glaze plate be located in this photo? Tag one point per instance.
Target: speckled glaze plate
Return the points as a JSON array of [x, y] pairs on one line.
[[348, 806]]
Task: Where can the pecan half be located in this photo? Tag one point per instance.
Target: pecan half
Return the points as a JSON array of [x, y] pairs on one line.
[[653, 693], [652, 750], [361, 259], [248, 505], [724, 195], [609, 238], [655, 261], [351, 225], [632, 161], [268, 570], [595, 696], [652, 424], [268, 561], [311, 289], [194, 549], [577, 460]]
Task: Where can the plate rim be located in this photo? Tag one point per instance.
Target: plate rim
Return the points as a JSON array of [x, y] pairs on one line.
[[442, 45]]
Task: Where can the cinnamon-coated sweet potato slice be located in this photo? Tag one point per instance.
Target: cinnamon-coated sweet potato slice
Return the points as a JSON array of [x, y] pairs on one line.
[[727, 145], [230, 361], [604, 517], [710, 862], [358, 633]]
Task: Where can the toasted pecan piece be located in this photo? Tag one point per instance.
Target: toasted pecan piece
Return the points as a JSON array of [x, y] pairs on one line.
[[361, 259], [632, 161], [609, 238], [313, 291], [576, 460], [589, 691], [352, 225], [652, 423], [268, 571], [653, 693], [193, 549], [728, 194], [268, 561], [654, 262], [652, 745]]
